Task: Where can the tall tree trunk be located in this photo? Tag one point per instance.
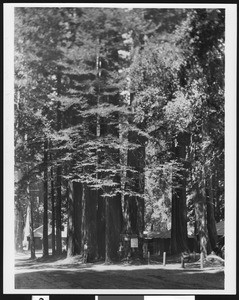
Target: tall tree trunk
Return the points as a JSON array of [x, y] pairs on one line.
[[83, 219], [201, 204], [89, 221], [91, 206], [123, 157], [179, 209], [101, 226], [107, 232], [201, 212], [58, 211], [45, 205], [113, 224], [211, 223], [100, 217], [70, 224], [53, 220], [18, 229], [74, 241], [31, 221], [134, 205], [58, 179], [77, 201], [113, 206]]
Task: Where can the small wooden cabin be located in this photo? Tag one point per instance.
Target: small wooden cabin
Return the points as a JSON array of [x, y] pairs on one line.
[[159, 242], [38, 237]]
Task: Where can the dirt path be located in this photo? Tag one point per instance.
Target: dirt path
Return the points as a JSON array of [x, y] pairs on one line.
[[65, 274]]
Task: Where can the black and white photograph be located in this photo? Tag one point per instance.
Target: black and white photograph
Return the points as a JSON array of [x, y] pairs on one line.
[[120, 143]]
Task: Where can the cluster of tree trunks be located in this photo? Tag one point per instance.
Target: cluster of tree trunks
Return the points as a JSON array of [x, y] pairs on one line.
[[94, 220], [205, 224], [100, 221]]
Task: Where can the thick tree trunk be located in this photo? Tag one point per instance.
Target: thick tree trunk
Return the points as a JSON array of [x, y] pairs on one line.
[[84, 228], [91, 206], [123, 154], [74, 246], [58, 177], [70, 225], [18, 229], [45, 204], [101, 226], [107, 232], [89, 221], [53, 219], [113, 224], [31, 223], [58, 211], [179, 209], [77, 205], [134, 205], [32, 240], [211, 223], [201, 213], [113, 204]]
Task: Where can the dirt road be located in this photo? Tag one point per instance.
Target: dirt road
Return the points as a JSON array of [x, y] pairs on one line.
[[65, 274]]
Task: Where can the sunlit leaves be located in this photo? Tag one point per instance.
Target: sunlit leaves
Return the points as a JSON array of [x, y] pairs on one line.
[[180, 111]]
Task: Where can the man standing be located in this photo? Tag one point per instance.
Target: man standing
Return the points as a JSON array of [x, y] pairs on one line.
[[120, 251], [85, 257]]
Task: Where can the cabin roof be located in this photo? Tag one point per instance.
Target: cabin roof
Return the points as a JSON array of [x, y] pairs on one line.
[[166, 234], [159, 235], [38, 232]]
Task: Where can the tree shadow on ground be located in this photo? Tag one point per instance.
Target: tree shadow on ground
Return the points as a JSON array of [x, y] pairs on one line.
[[85, 278]]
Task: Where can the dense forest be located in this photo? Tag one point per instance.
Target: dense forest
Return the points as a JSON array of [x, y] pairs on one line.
[[119, 126]]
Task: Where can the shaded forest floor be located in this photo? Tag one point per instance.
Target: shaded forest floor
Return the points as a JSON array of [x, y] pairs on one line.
[[71, 273]]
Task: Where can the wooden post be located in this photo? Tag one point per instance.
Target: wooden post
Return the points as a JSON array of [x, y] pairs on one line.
[[148, 257], [182, 262], [164, 258], [201, 260]]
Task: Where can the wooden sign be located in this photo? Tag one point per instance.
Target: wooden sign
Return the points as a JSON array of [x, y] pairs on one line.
[[134, 243]]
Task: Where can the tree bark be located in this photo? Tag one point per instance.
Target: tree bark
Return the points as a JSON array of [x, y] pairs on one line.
[[211, 223], [107, 232], [179, 209], [31, 221], [58, 211], [53, 220], [89, 221], [18, 229], [58, 178], [77, 205], [45, 205], [134, 204], [74, 240], [83, 219], [70, 227], [100, 226], [201, 213]]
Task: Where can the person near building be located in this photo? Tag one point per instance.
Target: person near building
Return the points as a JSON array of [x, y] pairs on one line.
[[85, 257], [120, 251]]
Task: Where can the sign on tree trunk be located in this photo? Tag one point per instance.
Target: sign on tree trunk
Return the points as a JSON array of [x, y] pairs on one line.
[[134, 243]]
